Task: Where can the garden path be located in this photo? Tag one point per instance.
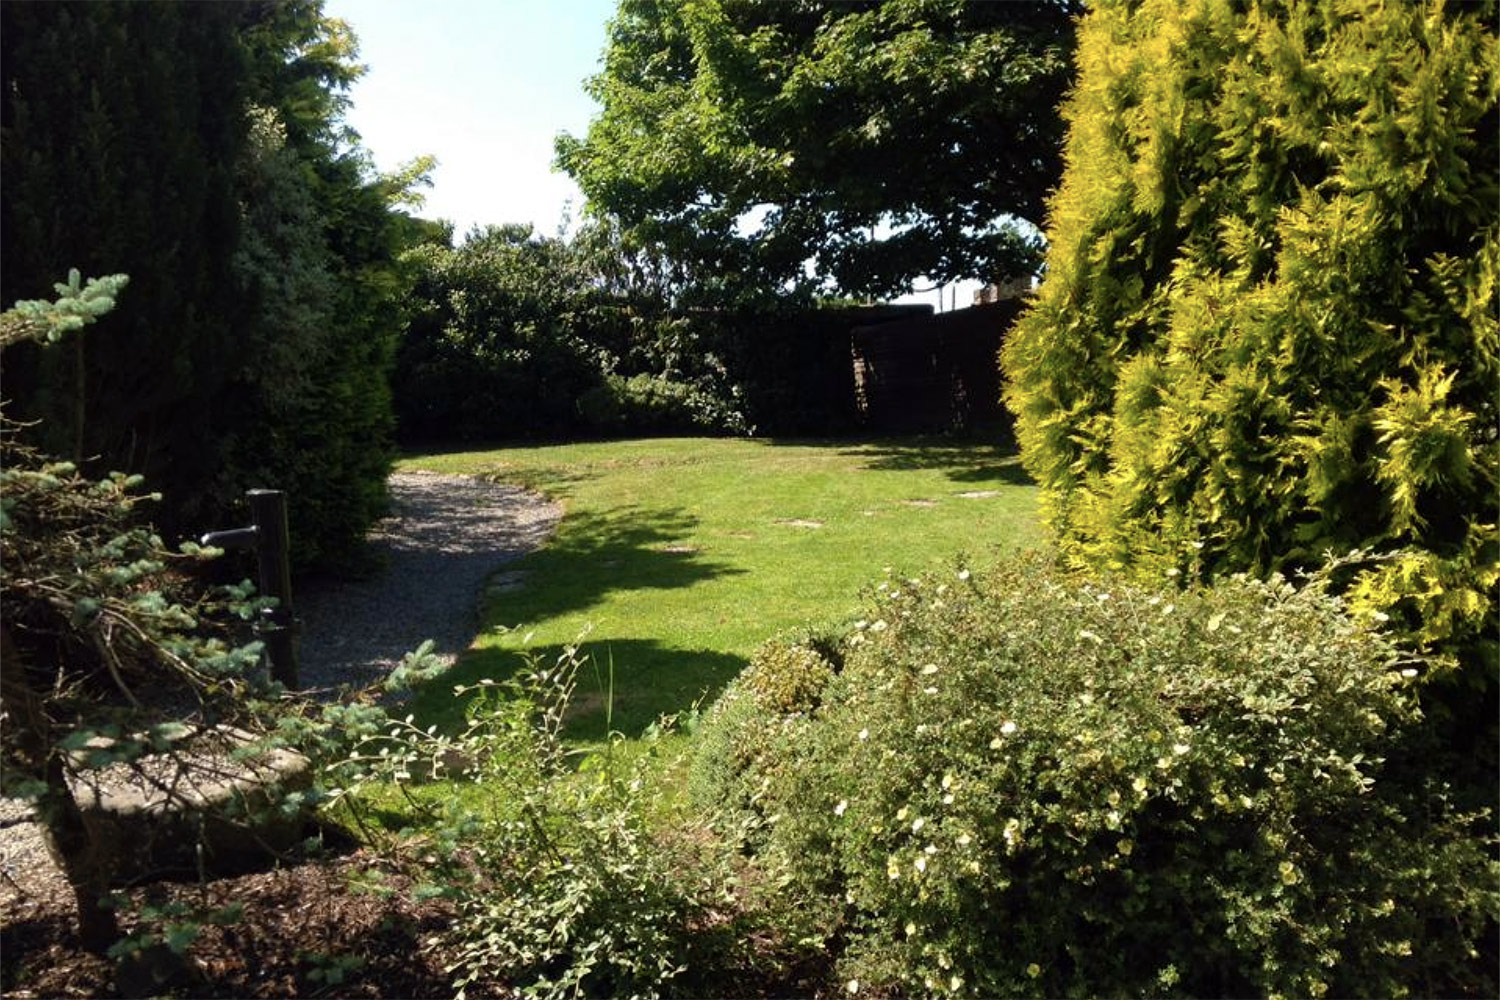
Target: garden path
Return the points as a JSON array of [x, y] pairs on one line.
[[443, 539]]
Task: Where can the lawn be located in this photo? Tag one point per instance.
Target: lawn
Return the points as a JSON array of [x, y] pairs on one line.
[[680, 556]]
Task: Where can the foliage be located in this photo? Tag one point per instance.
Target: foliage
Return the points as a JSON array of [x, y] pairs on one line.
[[202, 145], [1268, 327], [1020, 785], [881, 141], [786, 677], [515, 336], [563, 886], [94, 627], [653, 404]]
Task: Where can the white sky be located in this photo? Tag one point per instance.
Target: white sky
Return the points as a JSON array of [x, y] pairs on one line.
[[485, 86]]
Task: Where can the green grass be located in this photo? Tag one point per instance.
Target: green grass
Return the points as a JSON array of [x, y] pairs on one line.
[[680, 556]]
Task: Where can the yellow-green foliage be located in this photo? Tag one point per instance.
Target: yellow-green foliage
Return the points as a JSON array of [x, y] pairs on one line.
[[786, 677], [1268, 326]]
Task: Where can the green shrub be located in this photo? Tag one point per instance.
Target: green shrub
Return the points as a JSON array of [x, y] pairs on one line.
[[656, 404], [787, 677], [1269, 317], [747, 735], [1023, 786], [565, 885]]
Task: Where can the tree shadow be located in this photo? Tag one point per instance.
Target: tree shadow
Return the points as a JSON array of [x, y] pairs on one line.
[[623, 685], [593, 554], [997, 462]]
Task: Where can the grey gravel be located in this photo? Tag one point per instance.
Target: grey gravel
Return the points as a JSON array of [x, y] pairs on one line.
[[446, 536]]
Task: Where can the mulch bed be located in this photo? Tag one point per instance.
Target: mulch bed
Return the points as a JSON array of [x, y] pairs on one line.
[[299, 922]]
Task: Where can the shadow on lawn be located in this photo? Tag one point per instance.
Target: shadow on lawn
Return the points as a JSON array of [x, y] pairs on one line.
[[623, 684], [596, 553], [964, 462]]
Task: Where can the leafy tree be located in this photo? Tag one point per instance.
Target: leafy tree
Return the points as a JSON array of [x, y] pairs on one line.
[[880, 140], [491, 349], [1268, 327]]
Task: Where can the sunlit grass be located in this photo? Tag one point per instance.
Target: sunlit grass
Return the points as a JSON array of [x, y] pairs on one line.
[[679, 556]]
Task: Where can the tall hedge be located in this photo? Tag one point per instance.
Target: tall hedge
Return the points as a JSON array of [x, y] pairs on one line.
[[1268, 326], [201, 149]]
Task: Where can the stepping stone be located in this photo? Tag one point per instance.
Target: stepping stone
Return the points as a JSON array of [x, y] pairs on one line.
[[978, 494], [796, 522], [920, 503]]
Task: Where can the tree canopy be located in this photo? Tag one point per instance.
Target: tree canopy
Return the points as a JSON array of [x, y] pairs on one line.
[[866, 143]]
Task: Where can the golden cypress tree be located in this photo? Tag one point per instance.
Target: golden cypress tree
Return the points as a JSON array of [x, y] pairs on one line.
[[1267, 331]]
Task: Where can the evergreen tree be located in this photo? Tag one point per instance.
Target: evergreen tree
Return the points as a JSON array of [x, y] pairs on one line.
[[122, 124], [201, 147], [1268, 326]]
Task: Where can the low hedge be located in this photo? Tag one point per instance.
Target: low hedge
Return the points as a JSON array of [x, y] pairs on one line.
[[1021, 785]]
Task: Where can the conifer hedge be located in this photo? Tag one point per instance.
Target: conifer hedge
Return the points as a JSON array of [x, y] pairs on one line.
[[1267, 330]]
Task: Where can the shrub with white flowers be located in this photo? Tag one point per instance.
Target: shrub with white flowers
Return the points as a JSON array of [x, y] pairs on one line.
[[1025, 786]]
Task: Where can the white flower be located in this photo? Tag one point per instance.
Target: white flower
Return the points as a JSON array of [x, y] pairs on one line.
[[963, 574], [964, 840], [838, 810], [1180, 748], [929, 690], [947, 781], [921, 863], [879, 626], [955, 983], [864, 734], [1007, 727], [930, 668], [852, 986], [911, 929], [917, 824]]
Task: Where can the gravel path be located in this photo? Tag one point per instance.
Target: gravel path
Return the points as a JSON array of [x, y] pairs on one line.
[[445, 536]]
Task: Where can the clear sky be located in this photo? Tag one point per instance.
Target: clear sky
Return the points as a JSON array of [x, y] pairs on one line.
[[483, 85], [486, 86]]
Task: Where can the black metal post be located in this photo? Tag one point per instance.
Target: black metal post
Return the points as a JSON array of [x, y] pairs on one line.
[[267, 534], [279, 630]]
